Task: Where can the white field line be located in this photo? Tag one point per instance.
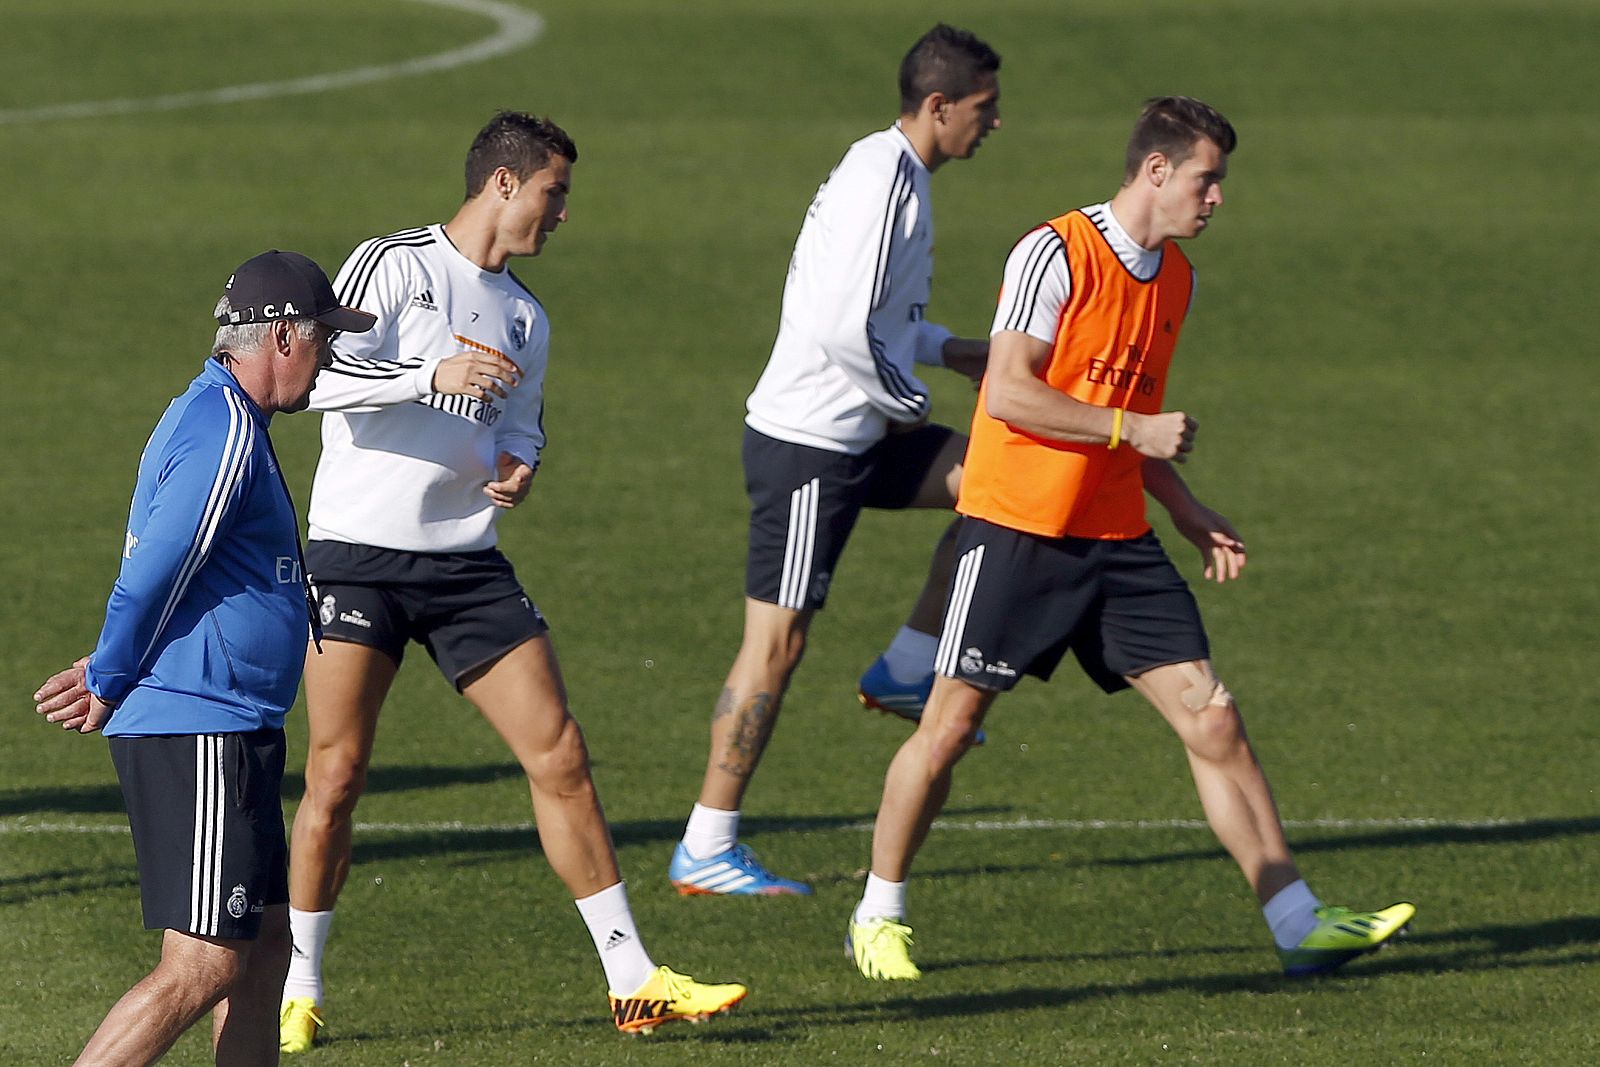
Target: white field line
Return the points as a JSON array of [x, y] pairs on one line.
[[514, 29], [957, 825]]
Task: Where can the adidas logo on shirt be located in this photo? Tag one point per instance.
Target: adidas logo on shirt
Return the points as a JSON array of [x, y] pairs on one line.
[[424, 300]]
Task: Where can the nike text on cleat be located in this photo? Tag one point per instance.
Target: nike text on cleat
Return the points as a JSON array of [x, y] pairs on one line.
[[878, 691], [879, 949], [1341, 935], [735, 872], [299, 1022], [667, 996]]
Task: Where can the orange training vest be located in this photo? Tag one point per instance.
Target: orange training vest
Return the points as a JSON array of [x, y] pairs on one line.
[[1113, 345]]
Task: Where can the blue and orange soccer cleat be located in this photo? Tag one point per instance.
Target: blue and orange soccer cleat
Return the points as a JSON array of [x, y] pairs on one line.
[[878, 691], [1341, 935], [735, 872]]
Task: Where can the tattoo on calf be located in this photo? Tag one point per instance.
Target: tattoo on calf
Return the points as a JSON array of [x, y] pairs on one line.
[[752, 727]]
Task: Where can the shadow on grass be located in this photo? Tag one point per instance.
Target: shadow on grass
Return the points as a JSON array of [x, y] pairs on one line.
[[391, 844], [108, 798], [1498, 948], [22, 889], [399, 844], [85, 799], [1495, 947], [1524, 832]]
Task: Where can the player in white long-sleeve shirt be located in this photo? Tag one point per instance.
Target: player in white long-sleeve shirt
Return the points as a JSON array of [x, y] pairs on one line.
[[838, 422], [432, 429]]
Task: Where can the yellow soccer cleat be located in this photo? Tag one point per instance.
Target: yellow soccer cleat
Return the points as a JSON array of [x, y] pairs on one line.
[[298, 1025], [1341, 935], [667, 995], [879, 948]]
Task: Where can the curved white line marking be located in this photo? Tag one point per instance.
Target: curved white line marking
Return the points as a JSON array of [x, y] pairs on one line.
[[514, 29]]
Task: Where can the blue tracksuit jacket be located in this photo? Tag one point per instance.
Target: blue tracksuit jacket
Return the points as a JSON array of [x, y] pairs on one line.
[[206, 627]]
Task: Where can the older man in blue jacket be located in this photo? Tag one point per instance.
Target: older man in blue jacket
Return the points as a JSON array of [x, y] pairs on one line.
[[198, 660]]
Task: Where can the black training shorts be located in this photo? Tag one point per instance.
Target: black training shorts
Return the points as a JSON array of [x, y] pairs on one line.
[[1019, 601], [804, 502], [466, 608], [207, 828]]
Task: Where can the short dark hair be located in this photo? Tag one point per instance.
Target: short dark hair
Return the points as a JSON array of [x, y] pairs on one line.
[[1172, 125], [944, 60], [518, 141]]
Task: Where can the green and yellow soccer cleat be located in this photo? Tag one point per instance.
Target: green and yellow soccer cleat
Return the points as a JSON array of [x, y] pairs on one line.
[[299, 1022], [1341, 935], [878, 947], [667, 995]]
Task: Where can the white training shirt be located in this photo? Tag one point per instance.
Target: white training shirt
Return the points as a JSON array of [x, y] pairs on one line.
[[852, 324], [403, 467], [1038, 280]]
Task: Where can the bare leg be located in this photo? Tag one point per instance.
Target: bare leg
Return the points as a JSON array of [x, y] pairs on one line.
[[193, 975], [1232, 787], [918, 781], [741, 725], [522, 696], [244, 1029], [345, 688]]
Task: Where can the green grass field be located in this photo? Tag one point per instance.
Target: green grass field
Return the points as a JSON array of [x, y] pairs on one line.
[[1397, 392]]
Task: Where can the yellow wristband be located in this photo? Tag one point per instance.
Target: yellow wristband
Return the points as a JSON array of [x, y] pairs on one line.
[[1116, 430]]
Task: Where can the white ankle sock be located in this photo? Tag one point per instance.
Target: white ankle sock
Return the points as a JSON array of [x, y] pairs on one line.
[[710, 831], [616, 938], [909, 656], [310, 932], [1291, 914], [882, 899]]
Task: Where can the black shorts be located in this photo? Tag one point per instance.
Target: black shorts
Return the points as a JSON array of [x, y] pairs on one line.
[[1019, 601], [804, 502], [466, 608], [207, 828]]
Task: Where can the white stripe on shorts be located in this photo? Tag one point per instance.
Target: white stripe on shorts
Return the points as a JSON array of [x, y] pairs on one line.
[[797, 551], [205, 876], [955, 616]]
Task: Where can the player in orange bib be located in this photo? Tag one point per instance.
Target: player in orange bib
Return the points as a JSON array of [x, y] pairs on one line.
[[1055, 553]]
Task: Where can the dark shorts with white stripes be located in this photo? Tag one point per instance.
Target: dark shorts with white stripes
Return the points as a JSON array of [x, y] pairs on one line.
[[804, 502], [466, 608], [207, 828], [1018, 602]]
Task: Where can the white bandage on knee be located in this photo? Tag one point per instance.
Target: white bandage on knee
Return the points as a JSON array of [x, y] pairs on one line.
[[1204, 689]]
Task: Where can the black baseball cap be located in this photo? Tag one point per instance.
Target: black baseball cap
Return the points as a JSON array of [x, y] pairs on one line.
[[287, 285]]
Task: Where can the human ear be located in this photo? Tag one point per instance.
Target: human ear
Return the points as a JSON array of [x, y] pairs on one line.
[[1156, 167]]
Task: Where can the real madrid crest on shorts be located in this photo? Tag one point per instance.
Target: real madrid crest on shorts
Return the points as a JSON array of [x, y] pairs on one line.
[[327, 610], [238, 903]]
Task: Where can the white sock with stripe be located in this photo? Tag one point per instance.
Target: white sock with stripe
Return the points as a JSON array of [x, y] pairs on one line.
[[1291, 914], [616, 938], [310, 932], [710, 831], [909, 656], [882, 899]]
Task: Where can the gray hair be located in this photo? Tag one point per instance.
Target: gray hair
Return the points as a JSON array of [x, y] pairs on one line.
[[249, 336]]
